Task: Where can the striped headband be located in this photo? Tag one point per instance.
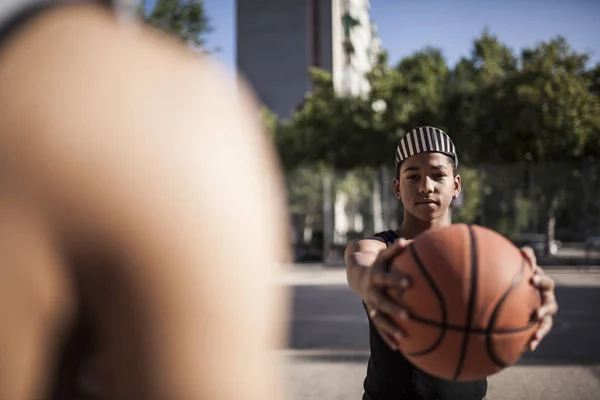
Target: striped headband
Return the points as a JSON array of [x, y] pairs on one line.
[[425, 139]]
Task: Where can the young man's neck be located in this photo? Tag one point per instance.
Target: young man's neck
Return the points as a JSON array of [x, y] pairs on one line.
[[412, 226]]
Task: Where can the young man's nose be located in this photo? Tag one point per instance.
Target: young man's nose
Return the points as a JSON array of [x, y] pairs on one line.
[[426, 186]]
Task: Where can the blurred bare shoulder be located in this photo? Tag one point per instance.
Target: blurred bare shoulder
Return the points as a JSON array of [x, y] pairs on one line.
[[119, 110], [127, 138], [368, 244]]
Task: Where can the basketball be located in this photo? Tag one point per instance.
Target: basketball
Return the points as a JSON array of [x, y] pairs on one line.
[[471, 302]]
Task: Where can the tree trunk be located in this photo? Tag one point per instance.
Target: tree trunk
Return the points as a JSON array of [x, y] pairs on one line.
[[550, 229], [328, 217], [377, 202]]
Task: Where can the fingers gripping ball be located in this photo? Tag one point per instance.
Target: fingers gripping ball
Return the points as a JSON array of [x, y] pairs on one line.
[[471, 302]]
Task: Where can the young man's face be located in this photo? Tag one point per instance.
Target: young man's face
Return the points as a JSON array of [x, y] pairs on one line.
[[426, 185]]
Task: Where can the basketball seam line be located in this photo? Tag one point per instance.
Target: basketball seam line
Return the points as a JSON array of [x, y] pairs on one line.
[[489, 345], [471, 304], [440, 297], [477, 330]]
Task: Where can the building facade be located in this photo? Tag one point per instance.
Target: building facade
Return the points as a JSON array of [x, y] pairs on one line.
[[279, 40]]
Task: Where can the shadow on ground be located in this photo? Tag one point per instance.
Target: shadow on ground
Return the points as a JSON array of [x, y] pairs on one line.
[[329, 324]]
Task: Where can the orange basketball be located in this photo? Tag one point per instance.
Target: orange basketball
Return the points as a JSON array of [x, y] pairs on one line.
[[471, 302]]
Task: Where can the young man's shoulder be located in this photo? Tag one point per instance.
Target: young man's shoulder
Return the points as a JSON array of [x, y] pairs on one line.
[[380, 240], [388, 237]]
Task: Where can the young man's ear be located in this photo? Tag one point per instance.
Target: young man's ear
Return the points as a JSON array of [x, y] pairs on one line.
[[396, 184], [457, 185]]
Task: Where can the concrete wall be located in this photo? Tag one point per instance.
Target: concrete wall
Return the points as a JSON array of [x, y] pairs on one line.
[[273, 51]]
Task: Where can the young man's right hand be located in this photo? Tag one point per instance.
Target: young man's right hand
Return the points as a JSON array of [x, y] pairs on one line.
[[374, 291]]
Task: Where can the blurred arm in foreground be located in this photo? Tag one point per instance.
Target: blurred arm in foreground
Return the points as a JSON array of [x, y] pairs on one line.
[[139, 193]]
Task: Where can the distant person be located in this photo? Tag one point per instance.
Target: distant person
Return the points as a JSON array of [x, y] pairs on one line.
[[425, 174], [141, 216]]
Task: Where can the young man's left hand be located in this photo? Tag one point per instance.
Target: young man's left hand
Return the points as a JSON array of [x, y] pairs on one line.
[[549, 306]]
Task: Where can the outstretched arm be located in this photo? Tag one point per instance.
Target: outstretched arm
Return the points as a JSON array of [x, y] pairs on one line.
[[366, 267], [133, 148]]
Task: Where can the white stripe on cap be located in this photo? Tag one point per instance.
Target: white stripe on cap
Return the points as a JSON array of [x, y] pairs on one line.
[[436, 140], [422, 135], [442, 140], [404, 154], [416, 142], [429, 138], [410, 147], [424, 139]]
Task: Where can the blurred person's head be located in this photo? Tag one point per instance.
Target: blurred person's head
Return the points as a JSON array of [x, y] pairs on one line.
[[426, 179]]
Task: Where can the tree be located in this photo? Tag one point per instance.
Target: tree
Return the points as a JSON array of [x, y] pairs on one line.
[[341, 136], [424, 75], [471, 104], [346, 132], [558, 112], [270, 120], [544, 108], [184, 19], [594, 77], [541, 109], [330, 128]]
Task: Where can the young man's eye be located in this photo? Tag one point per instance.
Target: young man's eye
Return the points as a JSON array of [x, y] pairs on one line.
[[412, 177], [439, 176]]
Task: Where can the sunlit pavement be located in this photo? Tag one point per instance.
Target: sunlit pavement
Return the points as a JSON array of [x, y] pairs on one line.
[[328, 346]]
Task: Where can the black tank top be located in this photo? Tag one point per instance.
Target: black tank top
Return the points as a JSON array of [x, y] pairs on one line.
[[390, 376]]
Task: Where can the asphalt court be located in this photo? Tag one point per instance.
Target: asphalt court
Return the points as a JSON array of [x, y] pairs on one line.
[[328, 341]]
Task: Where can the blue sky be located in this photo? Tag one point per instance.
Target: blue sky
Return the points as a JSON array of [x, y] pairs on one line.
[[409, 25]]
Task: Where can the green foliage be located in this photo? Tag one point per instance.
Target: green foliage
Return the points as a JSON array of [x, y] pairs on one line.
[[424, 75], [545, 108], [471, 196], [345, 132], [498, 107], [357, 184], [470, 109], [305, 191], [593, 75], [539, 106], [184, 19], [558, 112], [338, 131], [270, 121]]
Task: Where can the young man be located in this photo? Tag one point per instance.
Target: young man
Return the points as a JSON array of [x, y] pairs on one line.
[[427, 184], [142, 215]]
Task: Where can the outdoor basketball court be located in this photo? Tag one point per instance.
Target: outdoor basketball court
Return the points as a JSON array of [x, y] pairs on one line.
[[328, 347]]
